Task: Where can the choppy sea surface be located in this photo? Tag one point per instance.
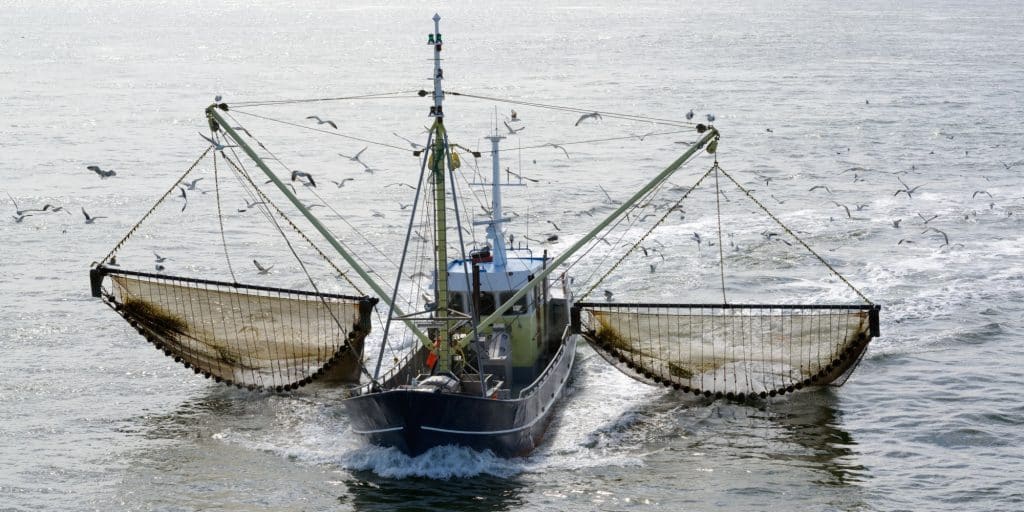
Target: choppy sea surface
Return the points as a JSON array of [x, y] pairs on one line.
[[865, 98]]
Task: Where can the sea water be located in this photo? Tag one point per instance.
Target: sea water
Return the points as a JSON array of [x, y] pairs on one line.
[[927, 92]]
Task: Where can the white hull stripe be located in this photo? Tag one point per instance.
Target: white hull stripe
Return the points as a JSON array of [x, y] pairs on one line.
[[378, 431]]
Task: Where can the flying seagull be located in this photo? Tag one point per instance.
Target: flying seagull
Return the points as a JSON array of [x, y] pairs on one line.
[[559, 146], [185, 197], [159, 259], [512, 131], [906, 189], [710, 118], [411, 143], [323, 121], [342, 182], [103, 174], [816, 187], [89, 219], [355, 157], [262, 270], [217, 145], [592, 115], [298, 175], [191, 185]]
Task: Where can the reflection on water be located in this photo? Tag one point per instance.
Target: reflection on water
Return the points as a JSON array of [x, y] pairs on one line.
[[370, 492], [745, 450]]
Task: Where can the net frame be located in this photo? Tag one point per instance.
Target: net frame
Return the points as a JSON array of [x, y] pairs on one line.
[[339, 360], [723, 366]]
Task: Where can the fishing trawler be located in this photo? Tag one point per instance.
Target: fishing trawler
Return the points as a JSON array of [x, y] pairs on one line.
[[493, 346]]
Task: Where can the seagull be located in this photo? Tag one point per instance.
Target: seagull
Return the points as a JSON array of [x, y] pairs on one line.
[[896, 223], [297, 175], [927, 219], [710, 118], [250, 205], [217, 145], [192, 184], [610, 200], [559, 146], [689, 115], [355, 158], [159, 259], [553, 224], [370, 170], [323, 121], [520, 176], [20, 217], [103, 174], [159, 267], [185, 197], [262, 270], [512, 131], [411, 143], [939, 231], [608, 295], [644, 136], [342, 182], [696, 238], [54, 209], [812, 189], [769, 130], [18, 211], [592, 115], [515, 117], [88, 218], [847, 208], [398, 185], [906, 189], [976, 192]]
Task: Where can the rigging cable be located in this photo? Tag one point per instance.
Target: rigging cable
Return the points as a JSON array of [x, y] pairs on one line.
[[155, 205], [375, 96], [220, 219], [795, 237], [577, 110], [320, 130]]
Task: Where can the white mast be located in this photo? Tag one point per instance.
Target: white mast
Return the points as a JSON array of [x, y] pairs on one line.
[[494, 230]]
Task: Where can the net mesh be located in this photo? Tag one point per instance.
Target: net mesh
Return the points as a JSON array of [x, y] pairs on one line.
[[732, 351], [254, 337]]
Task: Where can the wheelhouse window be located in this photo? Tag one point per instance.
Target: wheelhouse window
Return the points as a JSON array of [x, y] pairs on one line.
[[519, 308], [457, 302]]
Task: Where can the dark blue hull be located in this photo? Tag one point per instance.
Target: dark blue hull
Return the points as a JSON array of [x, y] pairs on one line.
[[415, 421]]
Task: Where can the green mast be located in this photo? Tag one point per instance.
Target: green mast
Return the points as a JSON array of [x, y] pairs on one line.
[[436, 161]]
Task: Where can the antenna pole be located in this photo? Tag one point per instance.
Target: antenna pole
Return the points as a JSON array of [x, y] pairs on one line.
[[494, 229]]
